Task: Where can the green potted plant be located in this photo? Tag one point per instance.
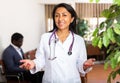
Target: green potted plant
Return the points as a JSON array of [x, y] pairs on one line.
[[107, 35], [82, 26]]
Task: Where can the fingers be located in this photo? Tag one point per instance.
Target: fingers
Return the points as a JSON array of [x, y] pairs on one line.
[[93, 59], [89, 62], [22, 61], [27, 67], [25, 64]]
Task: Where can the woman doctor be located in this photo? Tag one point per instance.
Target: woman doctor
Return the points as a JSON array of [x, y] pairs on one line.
[[61, 52]]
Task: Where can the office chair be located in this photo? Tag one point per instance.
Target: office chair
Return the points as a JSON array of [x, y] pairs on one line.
[[11, 77]]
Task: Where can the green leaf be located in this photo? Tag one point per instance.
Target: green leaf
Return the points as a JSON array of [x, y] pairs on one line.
[[110, 34], [118, 61], [114, 75], [105, 13], [112, 15], [118, 71], [113, 7], [109, 79], [97, 1], [102, 25], [117, 56], [95, 32], [116, 28], [100, 43], [109, 22], [95, 41], [106, 65], [91, 0], [118, 19], [117, 38], [113, 63], [116, 2], [106, 40], [81, 27]]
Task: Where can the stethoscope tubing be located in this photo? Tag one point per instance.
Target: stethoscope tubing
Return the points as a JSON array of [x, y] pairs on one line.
[[53, 33], [71, 45]]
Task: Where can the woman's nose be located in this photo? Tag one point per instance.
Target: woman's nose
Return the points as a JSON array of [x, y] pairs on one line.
[[60, 17]]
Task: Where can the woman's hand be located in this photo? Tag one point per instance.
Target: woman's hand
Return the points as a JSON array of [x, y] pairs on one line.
[[89, 63], [27, 64]]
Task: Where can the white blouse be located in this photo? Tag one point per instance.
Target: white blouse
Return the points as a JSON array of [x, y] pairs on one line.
[[64, 68]]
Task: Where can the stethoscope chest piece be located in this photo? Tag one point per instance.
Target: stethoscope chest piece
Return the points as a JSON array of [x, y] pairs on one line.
[[69, 53]]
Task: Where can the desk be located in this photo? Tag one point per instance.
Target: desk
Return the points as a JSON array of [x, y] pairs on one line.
[[30, 54], [95, 51]]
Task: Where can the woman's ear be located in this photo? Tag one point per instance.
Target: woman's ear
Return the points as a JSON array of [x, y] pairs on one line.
[[72, 19]]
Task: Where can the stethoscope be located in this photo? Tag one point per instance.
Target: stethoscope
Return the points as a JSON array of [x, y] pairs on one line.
[[55, 41]]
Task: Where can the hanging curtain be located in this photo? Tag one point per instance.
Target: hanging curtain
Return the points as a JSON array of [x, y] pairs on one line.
[[86, 10], [48, 16]]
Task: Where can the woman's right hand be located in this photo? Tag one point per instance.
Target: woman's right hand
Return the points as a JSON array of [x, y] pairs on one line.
[[27, 64]]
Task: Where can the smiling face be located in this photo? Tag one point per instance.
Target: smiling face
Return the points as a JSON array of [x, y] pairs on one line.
[[63, 18]]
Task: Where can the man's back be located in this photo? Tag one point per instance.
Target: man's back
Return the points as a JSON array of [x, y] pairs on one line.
[[11, 59]]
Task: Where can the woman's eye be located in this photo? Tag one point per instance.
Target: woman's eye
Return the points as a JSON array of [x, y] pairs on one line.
[[56, 15], [64, 15]]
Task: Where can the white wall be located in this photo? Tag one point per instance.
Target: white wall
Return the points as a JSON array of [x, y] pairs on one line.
[[71, 1], [24, 16]]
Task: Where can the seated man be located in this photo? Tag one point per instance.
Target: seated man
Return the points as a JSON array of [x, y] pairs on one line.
[[12, 55]]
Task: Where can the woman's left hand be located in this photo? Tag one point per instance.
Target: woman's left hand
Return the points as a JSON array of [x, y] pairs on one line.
[[89, 63]]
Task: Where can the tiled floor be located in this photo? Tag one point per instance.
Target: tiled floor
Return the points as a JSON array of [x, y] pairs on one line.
[[99, 75]]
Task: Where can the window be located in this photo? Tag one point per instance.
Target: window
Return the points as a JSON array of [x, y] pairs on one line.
[[88, 11], [92, 13], [48, 14]]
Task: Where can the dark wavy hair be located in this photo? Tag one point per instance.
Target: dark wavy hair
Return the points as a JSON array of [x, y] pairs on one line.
[[69, 8]]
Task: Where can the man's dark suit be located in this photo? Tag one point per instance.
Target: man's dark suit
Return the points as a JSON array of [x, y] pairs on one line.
[[11, 60]]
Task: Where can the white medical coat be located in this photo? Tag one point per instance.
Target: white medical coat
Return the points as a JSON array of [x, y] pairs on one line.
[[65, 68]]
